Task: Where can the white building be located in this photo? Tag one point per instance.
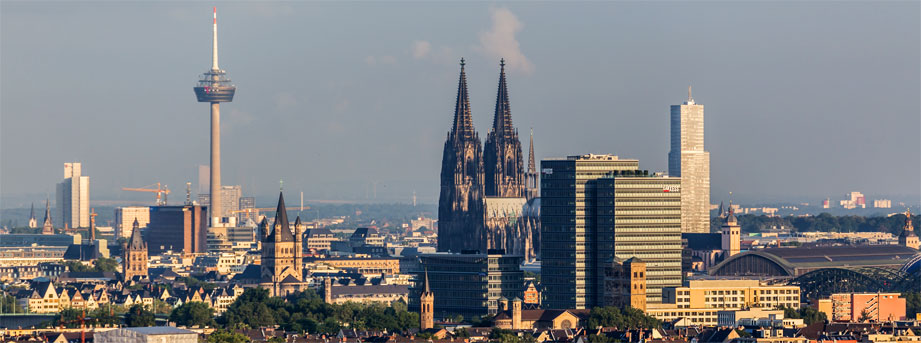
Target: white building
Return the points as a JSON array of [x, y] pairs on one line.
[[73, 197], [125, 216], [688, 160], [853, 200], [882, 203], [155, 334]]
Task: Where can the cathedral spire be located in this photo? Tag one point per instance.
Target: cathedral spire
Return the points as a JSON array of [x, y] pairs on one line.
[[532, 166], [502, 121], [463, 120]]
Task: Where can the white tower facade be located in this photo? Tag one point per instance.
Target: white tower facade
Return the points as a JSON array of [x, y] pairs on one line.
[[688, 160], [73, 197]]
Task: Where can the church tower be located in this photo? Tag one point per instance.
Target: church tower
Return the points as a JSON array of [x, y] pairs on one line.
[[32, 222], [731, 235], [134, 254], [908, 238], [426, 306], [282, 263], [460, 204], [502, 158], [47, 226]]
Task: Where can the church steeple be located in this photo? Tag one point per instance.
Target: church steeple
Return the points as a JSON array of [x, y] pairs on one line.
[[908, 238], [47, 226], [32, 222], [280, 230], [502, 119], [463, 120], [531, 174], [426, 305]]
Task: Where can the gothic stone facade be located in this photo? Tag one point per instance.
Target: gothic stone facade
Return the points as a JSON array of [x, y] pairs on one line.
[[485, 193]]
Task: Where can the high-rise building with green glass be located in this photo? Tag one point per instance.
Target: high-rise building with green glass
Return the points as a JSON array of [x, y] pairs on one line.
[[598, 207]]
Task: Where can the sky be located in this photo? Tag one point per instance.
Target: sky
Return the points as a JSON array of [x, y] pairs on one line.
[[803, 100]]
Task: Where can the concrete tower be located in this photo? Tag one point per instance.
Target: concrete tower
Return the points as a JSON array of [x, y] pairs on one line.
[[215, 87]]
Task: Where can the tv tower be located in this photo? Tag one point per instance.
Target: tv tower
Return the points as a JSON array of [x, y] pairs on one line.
[[215, 87]]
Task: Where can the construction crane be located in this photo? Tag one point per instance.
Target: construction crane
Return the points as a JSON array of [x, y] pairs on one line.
[[161, 192], [250, 211]]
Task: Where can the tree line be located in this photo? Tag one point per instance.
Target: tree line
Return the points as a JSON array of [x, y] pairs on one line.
[[821, 223]]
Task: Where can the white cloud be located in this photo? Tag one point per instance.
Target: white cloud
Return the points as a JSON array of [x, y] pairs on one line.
[[421, 49], [500, 41]]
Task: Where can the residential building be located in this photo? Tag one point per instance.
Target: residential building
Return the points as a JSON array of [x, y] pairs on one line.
[[469, 284], [73, 197], [335, 293], [853, 200], [595, 208], [865, 307], [365, 236], [178, 228], [882, 203], [689, 161], [361, 265], [730, 294], [126, 216], [320, 239], [154, 334]]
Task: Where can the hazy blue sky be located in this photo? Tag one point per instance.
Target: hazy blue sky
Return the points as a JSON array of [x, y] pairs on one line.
[[803, 100]]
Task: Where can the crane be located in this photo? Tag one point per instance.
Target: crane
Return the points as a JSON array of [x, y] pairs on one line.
[[161, 192], [250, 211]]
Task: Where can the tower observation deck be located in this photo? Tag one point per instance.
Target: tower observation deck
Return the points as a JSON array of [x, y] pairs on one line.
[[215, 87]]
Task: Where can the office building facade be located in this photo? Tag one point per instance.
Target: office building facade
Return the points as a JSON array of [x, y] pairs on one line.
[[689, 161], [125, 217], [469, 284], [178, 229], [73, 197], [595, 208]]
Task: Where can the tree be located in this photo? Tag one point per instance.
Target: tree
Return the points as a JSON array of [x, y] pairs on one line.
[[912, 303], [138, 316], [508, 336], [864, 316], [193, 314], [222, 336], [627, 318], [808, 314]]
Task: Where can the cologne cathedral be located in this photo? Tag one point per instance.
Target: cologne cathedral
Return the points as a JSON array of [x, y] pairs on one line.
[[488, 200]]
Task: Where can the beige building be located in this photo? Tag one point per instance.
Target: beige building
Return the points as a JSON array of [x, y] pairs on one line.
[[700, 301], [125, 217], [688, 160], [363, 265]]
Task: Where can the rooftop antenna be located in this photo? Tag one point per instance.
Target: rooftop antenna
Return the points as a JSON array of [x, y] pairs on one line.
[[302, 203]]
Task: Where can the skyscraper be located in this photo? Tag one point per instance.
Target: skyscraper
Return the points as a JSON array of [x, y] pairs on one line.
[[460, 204], [598, 208], [215, 87], [73, 197], [688, 160]]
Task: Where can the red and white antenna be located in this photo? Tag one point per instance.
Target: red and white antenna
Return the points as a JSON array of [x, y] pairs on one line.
[[214, 48]]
